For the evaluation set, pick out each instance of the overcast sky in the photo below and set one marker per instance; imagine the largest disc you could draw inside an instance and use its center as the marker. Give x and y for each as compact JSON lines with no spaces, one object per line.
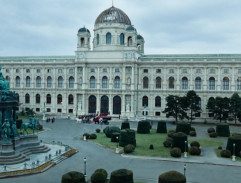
{"x":49,"y":27}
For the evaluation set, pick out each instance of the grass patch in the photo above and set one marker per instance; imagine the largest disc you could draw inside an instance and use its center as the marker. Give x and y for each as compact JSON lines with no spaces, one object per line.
{"x":143,"y":142}
{"x":29,"y":130}
{"x":218,"y":151}
{"x":208,"y":143}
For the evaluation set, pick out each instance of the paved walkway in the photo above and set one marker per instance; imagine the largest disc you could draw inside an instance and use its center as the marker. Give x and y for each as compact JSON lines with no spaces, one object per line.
{"x":144,"y":169}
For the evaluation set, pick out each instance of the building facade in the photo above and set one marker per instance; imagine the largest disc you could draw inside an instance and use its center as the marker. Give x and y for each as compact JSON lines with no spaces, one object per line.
{"x":116,"y":77}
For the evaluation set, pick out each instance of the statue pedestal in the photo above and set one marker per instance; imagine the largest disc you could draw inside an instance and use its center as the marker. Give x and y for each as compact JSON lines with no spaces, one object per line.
{"x":6,"y":149}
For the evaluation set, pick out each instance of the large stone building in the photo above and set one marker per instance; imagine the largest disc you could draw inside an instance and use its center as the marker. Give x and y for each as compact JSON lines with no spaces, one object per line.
{"x":116,"y":76}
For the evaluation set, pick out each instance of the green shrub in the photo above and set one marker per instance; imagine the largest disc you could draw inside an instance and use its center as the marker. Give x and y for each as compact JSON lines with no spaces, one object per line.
{"x":193,"y":133}
{"x":210,"y":130}
{"x":172,"y":177}
{"x":111,"y":129}
{"x":220,"y":147}
{"x":222,"y":130}
{"x":143,"y":127}
{"x":93,"y":136}
{"x":179,"y":141}
{"x":97,"y":178}
{"x":176,"y":152}
{"x":121,"y":176}
{"x":103,"y":171}
{"x":87,"y":135}
{"x":213,"y":134}
{"x":115,"y":137}
{"x":225,"y":153}
{"x":195,"y":143}
{"x":129,"y":148}
{"x":170,"y":133}
{"x":125,"y":125}
{"x":195,"y":151}
{"x":97,"y":130}
{"x":19,"y":123}
{"x":167,"y":143}
{"x":127,"y":137}
{"x":151,"y":147}
{"x":192,"y":129}
{"x":183,"y":127}
{"x":234,"y":140}
{"x":161,"y":127}
{"x":73,"y":177}
{"x":236,"y":134}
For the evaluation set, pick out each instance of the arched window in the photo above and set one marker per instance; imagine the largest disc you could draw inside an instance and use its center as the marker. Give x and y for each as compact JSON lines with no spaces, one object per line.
{"x":225,"y":83}
{"x":27,"y":81}
{"x":60,"y":82}
{"x":130,"y":41}
{"x":59,"y":99}
{"x":198,"y":83}
{"x":145,"y":82}
{"x":158,"y":101}
{"x":171,"y":82}
{"x":122,"y":39}
{"x":212,"y":83}
{"x":239,"y":83}
{"x":145,"y":101}
{"x":82,"y":42}
{"x":48,"y":99}
{"x":98,"y":39}
{"x":37,"y":99}
{"x":184,"y":83}
{"x":38,"y":82}
{"x":71,"y":82}
{"x":92,"y":82}
{"x":8,"y":79}
{"x":158,"y":82}
{"x":117,"y":82}
{"x":49,"y":82}
{"x":108,"y":38}
{"x":17,"y":81}
{"x":104,"y":82}
{"x":27,"y":99}
{"x":71,"y":99}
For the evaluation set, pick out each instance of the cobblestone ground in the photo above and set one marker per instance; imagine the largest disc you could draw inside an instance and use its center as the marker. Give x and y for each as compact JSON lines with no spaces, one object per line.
{"x":145,"y":170}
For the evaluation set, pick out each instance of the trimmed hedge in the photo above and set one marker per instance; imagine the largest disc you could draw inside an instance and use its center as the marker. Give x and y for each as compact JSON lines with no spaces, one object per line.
{"x":127,"y":137}
{"x":151,"y":147}
{"x":98,"y":177}
{"x":93,"y":136}
{"x":179,"y":141}
{"x":176,"y":152}
{"x":234,"y":140}
{"x":222,"y":130}
{"x":195,"y":143}
{"x":183,"y":127}
{"x":111,"y":129}
{"x":73,"y":177}
{"x":114,"y":137}
{"x":161,"y":127}
{"x":125,"y":125}
{"x":225,"y":153}
{"x":129,"y":148}
{"x":143,"y":127}
{"x":97,"y":130}
{"x":103,"y":171}
{"x":170,"y":133}
{"x":210,"y":130}
{"x":193,"y":133}
{"x":172,"y":177}
{"x":121,"y":176}
{"x":213,"y":134}
{"x":194,"y":150}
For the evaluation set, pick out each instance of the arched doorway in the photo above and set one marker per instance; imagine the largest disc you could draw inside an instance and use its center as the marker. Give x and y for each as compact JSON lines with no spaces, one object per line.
{"x":104,"y":109}
{"x":116,"y":105}
{"x":92,"y":104}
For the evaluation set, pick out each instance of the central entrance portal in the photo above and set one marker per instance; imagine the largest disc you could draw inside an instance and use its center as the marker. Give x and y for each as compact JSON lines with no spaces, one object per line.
{"x":104,"y":109}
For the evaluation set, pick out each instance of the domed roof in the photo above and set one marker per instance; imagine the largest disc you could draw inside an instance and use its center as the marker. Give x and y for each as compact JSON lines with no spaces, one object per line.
{"x":83,"y":30}
{"x":113,"y":15}
{"x":139,"y":36}
{"x":130,"y":28}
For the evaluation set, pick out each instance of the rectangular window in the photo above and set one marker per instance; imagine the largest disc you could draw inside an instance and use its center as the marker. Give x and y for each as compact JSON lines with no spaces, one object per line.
{"x":171,"y":71}
{"x":158,"y":71}
{"x":117,"y":70}
{"x":60,"y":71}
{"x":158,"y":114}
{"x":92,"y":70}
{"x":71,"y":70}
{"x":104,"y":70}
{"x":145,"y":71}
{"x":128,"y":70}
{"x":212,"y":71}
{"x":49,"y":70}
{"x":198,"y":71}
{"x":48,"y":110}
{"x":37,"y":109}
{"x":184,"y":71}
{"x":80,"y":70}
{"x":59,"y":110}
{"x":225,"y":71}
{"x":38,"y":70}
{"x":71,"y":111}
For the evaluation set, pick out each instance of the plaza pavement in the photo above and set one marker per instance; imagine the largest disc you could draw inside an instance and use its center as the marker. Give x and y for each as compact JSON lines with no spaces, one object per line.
{"x":145,"y":169}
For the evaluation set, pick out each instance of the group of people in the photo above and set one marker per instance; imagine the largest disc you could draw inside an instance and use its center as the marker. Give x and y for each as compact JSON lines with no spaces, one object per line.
{"x":94,"y":118}
{"x":50,"y":120}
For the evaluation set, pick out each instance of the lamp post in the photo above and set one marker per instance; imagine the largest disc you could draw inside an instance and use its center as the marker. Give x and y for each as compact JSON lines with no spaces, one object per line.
{"x":44,"y":117}
{"x":85,"y":160}
{"x":184,"y":169}
{"x":84,"y":135}
{"x":117,"y":145}
{"x":233,"y":157}
{"x":185,"y":153}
